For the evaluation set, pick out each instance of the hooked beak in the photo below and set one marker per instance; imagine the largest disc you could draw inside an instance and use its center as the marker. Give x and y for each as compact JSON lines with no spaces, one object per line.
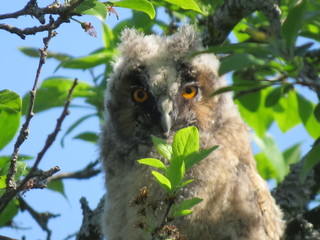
{"x":165,"y":107}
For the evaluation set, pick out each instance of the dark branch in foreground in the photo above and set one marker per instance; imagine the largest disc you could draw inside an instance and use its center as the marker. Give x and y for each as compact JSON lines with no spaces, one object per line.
{"x":24,"y":132}
{"x":88,"y":172}
{"x":231,"y":12}
{"x":11,"y":193}
{"x":41,"y":218}
{"x":63,"y":10}
{"x":90,"y":228}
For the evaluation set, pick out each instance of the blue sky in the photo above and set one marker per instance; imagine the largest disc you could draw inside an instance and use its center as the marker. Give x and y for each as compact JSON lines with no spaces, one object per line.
{"x":18,"y":73}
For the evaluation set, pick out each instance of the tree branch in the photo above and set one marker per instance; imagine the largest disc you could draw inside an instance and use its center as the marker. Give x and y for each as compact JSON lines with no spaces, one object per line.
{"x":90,"y":228}
{"x":231,"y":12}
{"x":64,"y":11}
{"x":88,"y":172}
{"x":41,"y":218}
{"x":11,"y":193}
{"x":24,"y":132}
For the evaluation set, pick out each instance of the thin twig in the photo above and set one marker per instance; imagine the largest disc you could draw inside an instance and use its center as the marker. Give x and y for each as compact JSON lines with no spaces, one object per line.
{"x":85,"y":173}
{"x":41,"y":218}
{"x":24,"y":132}
{"x":32,"y":9}
{"x":11,"y":193}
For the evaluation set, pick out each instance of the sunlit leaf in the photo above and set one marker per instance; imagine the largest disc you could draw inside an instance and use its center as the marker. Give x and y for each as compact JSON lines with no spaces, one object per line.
{"x":10,"y":101}
{"x":162,"y":180}
{"x":3,"y":183}
{"x":292,"y":154}
{"x":196,"y":157}
{"x":139,"y":5}
{"x":270,"y":149}
{"x":285,"y":112}
{"x":153,"y":162}
{"x":9,"y":125}
{"x":184,"y":208}
{"x":94,"y":8}
{"x":164,"y":148}
{"x":186,"y":4}
{"x":185,"y":142}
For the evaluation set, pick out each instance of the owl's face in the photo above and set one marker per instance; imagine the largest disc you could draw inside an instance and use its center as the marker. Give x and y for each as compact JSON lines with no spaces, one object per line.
{"x":156,"y":89}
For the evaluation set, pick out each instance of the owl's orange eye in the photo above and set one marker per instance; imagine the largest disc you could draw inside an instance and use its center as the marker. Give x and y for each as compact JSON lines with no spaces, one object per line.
{"x":139,"y":95}
{"x":190,"y":92}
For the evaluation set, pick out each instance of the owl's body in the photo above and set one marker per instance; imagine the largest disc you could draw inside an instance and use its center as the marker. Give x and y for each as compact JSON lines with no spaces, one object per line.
{"x":156,"y":90}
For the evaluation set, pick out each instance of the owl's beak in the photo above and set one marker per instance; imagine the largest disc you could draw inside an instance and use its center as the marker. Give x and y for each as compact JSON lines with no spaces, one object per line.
{"x":165,"y":107}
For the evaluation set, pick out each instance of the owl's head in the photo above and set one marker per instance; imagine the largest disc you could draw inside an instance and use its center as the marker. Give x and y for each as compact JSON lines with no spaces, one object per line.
{"x":157,"y":89}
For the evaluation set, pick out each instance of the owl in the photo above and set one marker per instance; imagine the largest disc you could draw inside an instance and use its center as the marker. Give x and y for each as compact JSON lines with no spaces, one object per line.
{"x":157,"y":89}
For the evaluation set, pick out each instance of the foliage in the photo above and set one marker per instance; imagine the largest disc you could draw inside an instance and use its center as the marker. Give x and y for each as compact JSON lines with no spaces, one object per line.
{"x":267,"y":75}
{"x":181,"y":155}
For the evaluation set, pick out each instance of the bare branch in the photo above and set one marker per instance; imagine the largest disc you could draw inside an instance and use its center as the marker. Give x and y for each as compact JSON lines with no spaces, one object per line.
{"x":90,"y":228}
{"x":41,"y":218}
{"x":24,"y":132}
{"x":32,"y":9}
{"x":11,"y":193}
{"x":88,"y":172}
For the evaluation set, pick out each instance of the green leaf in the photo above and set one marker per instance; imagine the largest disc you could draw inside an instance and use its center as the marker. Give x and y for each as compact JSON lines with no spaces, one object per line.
{"x":9,"y":125}
{"x":186,"y":4}
{"x":239,"y":61}
{"x":293,"y":23}
{"x":10,"y":101}
{"x":74,"y":125}
{"x":108,"y":37}
{"x":265,"y":167}
{"x":316,"y":112}
{"x":88,"y":136}
{"x":251,"y":101}
{"x":273,"y":97}
{"x":34,"y":52}
{"x":93,"y":7}
{"x":175,"y":172}
{"x":292,"y":154}
{"x":57,"y":186}
{"x":163,"y":148}
{"x":196,"y":157}
{"x":139,"y":5}
{"x":261,"y":119}
{"x":162,"y":180}
{"x":9,"y":212}
{"x":21,"y":169}
{"x":312,"y":158}
{"x":31,"y":52}
{"x":53,"y":92}
{"x":3,"y":183}
{"x":102,"y":56}
{"x":185,"y":142}
{"x":306,"y":109}
{"x":184,"y":207}
{"x":286,"y":113}
{"x":186,"y":183}
{"x":269,"y":147}
{"x":153,"y":163}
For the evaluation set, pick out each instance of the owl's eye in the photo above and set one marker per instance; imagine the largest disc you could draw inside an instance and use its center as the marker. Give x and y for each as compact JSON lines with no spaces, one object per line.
{"x":190,"y":92}
{"x":139,"y":95}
